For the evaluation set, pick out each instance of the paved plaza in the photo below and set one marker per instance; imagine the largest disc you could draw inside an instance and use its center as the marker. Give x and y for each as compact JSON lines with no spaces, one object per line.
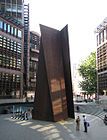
{"x":11,"y":129}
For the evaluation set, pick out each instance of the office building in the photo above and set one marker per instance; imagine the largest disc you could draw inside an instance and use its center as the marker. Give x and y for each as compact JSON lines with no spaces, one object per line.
{"x":13,"y":8}
{"x":19,"y":50}
{"x":101,"y":33}
{"x":26,"y":48}
{"x":11,"y":57}
{"x":15,"y":16}
{"x":33,"y":60}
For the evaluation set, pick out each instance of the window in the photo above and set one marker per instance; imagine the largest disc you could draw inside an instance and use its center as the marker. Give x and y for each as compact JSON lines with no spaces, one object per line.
{"x":17,"y":78}
{"x":4,"y":42}
{"x":97,"y":40}
{"x":15,"y":46}
{"x":11,"y":30}
{"x":5,"y":26}
{"x":8,"y":7}
{"x":2,"y":7}
{"x":1,"y":24}
{"x":19,"y":8}
{"x":18,"y":63}
{"x":8,"y":1}
{"x":101,"y":37}
{"x":19,"y":33}
{"x":15,"y":32}
{"x":19,"y":45}
{"x":104,"y":34}
{"x":8,"y":29}
{"x":13,"y":77}
{"x":14,"y":9}
{"x":8,"y":43}
{"x":14,"y":1}
{"x":12,"y":45}
{"x":7,"y":61}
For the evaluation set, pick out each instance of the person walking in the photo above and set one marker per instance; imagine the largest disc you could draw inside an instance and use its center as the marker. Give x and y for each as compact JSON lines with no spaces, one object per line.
{"x":85,"y":123}
{"x":78,"y":123}
{"x":78,"y":108}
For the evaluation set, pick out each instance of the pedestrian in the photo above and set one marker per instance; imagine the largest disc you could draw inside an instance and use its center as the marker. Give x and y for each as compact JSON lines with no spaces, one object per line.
{"x":78,"y":108}
{"x":29,"y":113}
{"x":31,"y":97}
{"x":27,"y":99}
{"x":105,"y":119}
{"x":85,"y":123}
{"x":78,"y":123}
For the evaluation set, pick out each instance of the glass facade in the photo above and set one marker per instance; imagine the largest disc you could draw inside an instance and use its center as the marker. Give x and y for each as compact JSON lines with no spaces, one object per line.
{"x":102,"y":59}
{"x":9,"y":83}
{"x":12,"y":8}
{"x":11,"y":63}
{"x":102,"y":37}
{"x":26,"y":47}
{"x":102,"y":82}
{"x":34,"y":53}
{"x":10,"y":29}
{"x":14,"y":45}
{"x":10,"y":53}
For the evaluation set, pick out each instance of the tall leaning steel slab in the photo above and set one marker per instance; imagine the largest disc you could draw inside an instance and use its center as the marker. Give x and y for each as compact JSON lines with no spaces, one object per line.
{"x":54,"y":96}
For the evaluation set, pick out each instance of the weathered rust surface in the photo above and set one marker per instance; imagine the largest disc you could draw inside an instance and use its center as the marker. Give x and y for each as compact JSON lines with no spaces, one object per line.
{"x":54,"y":97}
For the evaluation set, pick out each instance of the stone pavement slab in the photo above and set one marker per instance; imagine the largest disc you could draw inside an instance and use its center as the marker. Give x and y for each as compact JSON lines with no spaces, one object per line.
{"x":11,"y":129}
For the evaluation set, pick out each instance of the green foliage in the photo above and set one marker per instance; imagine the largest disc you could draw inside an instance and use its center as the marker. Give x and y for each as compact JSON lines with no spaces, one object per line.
{"x":87,"y":70}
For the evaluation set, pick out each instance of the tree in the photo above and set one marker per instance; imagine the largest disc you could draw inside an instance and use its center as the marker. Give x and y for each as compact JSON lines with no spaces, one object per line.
{"x":87,"y":70}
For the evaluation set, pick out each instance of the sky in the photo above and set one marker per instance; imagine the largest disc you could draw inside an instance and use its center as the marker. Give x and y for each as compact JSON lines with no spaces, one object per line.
{"x":82,"y":17}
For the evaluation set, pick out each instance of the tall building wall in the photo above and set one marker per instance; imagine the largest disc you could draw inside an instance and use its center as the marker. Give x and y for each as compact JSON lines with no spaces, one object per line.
{"x":101,"y":34}
{"x":34,"y":54}
{"x":13,"y":8}
{"x":12,"y":38}
{"x":11,"y":58}
{"x":17,"y":13}
{"x":26,"y":47}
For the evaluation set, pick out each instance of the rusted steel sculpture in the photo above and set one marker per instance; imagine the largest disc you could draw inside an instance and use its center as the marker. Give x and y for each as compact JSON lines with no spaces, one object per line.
{"x":54,"y":96}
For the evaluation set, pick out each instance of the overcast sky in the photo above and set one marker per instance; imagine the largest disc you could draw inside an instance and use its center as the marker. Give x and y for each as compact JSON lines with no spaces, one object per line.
{"x":82,"y":17}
